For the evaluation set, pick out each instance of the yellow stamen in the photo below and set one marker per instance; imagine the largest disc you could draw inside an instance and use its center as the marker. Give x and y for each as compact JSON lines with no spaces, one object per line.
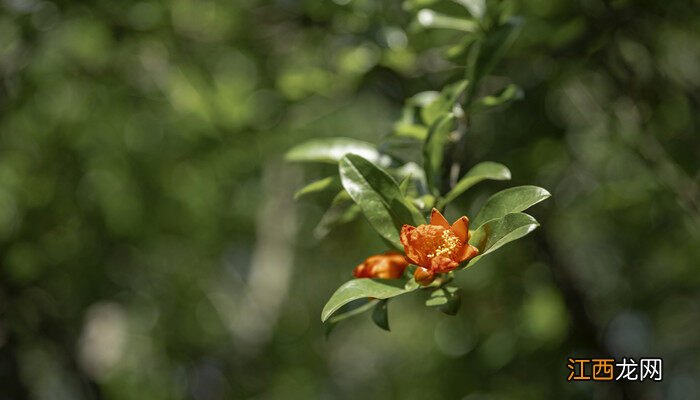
{"x":449,"y":243}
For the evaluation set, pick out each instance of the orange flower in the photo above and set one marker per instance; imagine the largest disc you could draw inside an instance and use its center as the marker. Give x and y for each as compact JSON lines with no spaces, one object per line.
{"x":437,"y":247}
{"x":389,"y":265}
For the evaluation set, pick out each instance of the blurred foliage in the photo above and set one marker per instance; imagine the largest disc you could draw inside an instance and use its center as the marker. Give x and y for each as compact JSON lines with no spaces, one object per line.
{"x":151,"y":247}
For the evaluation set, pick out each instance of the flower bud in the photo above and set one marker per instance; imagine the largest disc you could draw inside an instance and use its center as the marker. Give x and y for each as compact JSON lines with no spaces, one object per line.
{"x":424,"y":276}
{"x":389,"y":265}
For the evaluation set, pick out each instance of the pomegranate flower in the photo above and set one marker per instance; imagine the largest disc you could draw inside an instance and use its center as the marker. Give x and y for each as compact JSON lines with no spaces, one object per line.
{"x":389,"y":265}
{"x":437,"y":247}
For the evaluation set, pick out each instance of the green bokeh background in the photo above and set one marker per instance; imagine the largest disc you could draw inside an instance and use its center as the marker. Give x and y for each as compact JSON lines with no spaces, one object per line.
{"x":150,"y":247}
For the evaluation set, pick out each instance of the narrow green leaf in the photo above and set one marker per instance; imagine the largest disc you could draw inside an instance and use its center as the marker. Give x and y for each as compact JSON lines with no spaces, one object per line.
{"x":422,"y":99}
{"x":498,"y":232}
{"x":407,"y":150}
{"x":415,"y":172}
{"x":485,"y":53}
{"x":379,"y":197}
{"x":380,"y":315}
{"x":342,"y":210}
{"x":321,"y":185}
{"x":331,"y":150}
{"x":444,"y":103}
{"x":411,"y":130}
{"x":430,"y":19}
{"x":405,"y":184}
{"x":512,"y":200}
{"x":476,"y":8}
{"x":510,"y":93}
{"x":433,"y":151}
{"x":408,"y":125}
{"x":363,"y":288}
{"x":459,"y":51}
{"x":478,"y":173}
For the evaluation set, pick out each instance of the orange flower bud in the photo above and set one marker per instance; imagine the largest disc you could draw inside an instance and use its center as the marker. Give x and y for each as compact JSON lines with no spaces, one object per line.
{"x":437,"y":247}
{"x":389,"y":265}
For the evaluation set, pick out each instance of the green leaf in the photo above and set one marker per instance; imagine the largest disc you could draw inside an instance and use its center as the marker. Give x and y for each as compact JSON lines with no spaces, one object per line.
{"x":331,"y":150}
{"x":411,"y":130}
{"x":478,"y":173}
{"x":379,"y":197}
{"x":511,"y":93}
{"x":350,"y":309}
{"x":448,"y":299}
{"x":380,"y":315}
{"x":406,"y":150}
{"x":363,"y":288}
{"x":321,"y":185}
{"x":444,"y":103}
{"x":405,"y":184}
{"x":476,"y":8}
{"x":342,"y":210}
{"x":441,"y":296}
{"x":430,"y":19}
{"x":433,"y":151}
{"x":408,"y":125}
{"x":422,"y":99}
{"x":411,"y":283}
{"x":484,"y":54}
{"x":498,"y":232}
{"x":458,"y":52}
{"x":512,"y":200}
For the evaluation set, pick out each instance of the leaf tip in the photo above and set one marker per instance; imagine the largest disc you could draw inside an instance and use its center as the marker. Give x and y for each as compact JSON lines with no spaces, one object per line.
{"x":545,"y":193}
{"x":289,"y":155}
{"x":326,"y":313}
{"x":506,"y":174}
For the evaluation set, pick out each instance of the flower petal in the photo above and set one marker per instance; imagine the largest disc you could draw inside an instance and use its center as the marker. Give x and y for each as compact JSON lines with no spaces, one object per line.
{"x":412,"y":254}
{"x":461,"y":229}
{"x":436,"y":218}
{"x":443,"y":264}
{"x":468,"y":252}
